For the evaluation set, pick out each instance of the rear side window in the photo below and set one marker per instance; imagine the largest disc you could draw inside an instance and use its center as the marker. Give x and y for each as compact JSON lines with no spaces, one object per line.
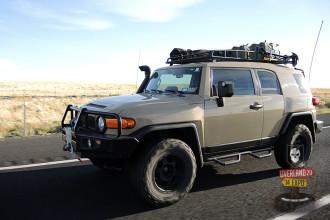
{"x":269,"y":83}
{"x":302,"y":83}
{"x":242,"y":79}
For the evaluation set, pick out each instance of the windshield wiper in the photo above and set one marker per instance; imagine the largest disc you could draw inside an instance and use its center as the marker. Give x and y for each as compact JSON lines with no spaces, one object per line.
{"x":175,"y":91}
{"x":157,"y":91}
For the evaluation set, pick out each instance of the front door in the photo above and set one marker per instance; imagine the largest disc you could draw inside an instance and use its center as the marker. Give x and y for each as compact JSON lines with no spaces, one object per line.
{"x":238,"y":124}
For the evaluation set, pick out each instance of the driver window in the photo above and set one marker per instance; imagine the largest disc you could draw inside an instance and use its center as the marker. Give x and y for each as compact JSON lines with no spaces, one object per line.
{"x":242,"y":79}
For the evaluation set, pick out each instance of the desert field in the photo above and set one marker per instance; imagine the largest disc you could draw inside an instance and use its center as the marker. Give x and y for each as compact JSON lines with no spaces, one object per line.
{"x":46,"y":103}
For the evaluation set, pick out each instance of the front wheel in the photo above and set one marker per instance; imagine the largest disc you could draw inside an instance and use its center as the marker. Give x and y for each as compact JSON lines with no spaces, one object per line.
{"x":165,"y":172}
{"x":294,"y":148}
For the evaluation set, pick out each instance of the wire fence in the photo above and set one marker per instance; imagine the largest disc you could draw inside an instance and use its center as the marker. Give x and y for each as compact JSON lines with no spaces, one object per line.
{"x":37,"y":108}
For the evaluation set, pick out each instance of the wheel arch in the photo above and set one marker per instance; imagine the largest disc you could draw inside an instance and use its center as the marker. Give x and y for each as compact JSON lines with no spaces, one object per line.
{"x":187,"y":132}
{"x":305,"y":118}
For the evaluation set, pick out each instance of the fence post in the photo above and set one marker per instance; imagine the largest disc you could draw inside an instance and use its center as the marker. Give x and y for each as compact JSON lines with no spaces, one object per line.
{"x":25,"y":104}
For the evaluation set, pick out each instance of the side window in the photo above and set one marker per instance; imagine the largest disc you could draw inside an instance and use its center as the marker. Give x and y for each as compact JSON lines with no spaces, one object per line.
{"x":269,"y":83}
{"x":302,"y":84}
{"x":242,"y":79}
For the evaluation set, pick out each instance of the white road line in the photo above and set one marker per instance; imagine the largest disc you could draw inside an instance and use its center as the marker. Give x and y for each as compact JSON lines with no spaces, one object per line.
{"x":41,"y":164}
{"x":305,"y":210}
{"x":327,"y":127}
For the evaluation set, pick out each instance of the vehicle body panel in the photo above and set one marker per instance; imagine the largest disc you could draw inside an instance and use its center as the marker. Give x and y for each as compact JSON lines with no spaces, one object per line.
{"x":231,"y":126}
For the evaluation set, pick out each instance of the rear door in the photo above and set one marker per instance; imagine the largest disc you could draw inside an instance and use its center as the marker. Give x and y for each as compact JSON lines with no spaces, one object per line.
{"x":273,"y":105}
{"x":237,"y":124}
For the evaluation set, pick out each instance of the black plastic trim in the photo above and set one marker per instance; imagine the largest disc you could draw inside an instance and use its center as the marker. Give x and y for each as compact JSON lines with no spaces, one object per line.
{"x":143,"y":85}
{"x":289,"y":118}
{"x":212,"y":150}
{"x":146,"y":130}
{"x":110,"y":147}
{"x":240,"y":146}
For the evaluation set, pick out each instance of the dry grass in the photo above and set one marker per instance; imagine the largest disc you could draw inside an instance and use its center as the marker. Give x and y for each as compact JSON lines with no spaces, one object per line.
{"x":46,"y":103}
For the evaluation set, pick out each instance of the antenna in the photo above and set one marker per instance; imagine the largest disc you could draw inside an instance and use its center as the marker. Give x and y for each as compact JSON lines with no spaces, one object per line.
{"x":310,"y":69}
{"x":137,"y":71}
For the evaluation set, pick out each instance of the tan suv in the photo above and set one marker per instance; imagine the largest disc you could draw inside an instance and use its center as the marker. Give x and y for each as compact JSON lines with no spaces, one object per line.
{"x":204,"y":107}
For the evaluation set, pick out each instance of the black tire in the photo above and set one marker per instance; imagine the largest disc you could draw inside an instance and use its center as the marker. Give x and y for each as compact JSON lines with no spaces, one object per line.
{"x":284,"y":203}
{"x":104,"y":165}
{"x":294,"y":148}
{"x":164,"y":172}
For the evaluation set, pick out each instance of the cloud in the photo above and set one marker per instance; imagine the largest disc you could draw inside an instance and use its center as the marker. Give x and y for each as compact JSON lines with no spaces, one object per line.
{"x":74,"y":19}
{"x":72,"y":15}
{"x":83,"y":24}
{"x":148,"y":10}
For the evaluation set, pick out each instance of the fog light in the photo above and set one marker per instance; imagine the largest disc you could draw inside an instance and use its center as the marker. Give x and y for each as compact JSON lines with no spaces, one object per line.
{"x":98,"y":142}
{"x":89,"y":143}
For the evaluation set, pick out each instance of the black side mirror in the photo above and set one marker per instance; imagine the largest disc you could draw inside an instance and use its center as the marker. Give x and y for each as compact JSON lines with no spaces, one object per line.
{"x":225,"y":89}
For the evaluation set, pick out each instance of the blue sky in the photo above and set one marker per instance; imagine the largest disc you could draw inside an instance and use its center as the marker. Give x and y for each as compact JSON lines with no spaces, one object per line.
{"x":89,"y":40}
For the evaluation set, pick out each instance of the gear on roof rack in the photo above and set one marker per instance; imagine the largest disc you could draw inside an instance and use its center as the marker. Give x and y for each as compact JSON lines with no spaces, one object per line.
{"x":263,"y":52}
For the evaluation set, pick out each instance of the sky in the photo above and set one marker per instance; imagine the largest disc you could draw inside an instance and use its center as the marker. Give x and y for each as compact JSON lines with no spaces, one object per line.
{"x":106,"y":40}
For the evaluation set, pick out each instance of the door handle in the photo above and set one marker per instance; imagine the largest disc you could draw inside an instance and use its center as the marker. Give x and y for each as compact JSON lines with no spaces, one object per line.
{"x":256,"y":106}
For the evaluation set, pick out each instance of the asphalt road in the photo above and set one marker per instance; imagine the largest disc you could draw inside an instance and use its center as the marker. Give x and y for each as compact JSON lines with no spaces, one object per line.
{"x":81,"y":191}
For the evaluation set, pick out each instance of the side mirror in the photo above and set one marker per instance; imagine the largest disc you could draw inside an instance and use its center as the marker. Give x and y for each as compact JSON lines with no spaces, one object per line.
{"x":225,"y":89}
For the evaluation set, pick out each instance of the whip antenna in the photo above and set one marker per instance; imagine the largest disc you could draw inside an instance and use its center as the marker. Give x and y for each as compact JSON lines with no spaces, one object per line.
{"x":310,"y":69}
{"x":137,"y":71}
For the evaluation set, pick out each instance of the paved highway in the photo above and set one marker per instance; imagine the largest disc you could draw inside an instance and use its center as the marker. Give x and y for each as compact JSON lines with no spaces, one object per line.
{"x":81,"y":191}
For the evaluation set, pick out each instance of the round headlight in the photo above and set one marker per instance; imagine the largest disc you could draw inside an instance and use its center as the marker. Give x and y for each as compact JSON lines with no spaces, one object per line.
{"x":101,"y":124}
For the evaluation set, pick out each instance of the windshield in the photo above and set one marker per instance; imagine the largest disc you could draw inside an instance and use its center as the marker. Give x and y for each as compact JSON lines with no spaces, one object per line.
{"x":180,"y":80}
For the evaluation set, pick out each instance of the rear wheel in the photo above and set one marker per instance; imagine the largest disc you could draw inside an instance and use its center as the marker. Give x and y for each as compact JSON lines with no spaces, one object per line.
{"x":294,"y":148}
{"x":165,"y":172}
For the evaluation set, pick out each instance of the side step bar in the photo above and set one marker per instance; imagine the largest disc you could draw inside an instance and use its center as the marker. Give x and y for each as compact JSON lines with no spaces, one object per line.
{"x":239,"y":155}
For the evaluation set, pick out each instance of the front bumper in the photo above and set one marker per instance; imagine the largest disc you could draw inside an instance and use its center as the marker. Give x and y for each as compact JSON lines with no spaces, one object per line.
{"x":87,"y":143}
{"x":318,"y":126}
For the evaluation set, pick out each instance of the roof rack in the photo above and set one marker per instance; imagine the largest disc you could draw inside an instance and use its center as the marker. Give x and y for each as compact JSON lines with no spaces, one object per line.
{"x":188,"y":56}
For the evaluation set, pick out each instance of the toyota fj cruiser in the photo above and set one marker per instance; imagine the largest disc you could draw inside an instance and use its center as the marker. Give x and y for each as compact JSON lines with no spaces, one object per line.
{"x":208,"y":105}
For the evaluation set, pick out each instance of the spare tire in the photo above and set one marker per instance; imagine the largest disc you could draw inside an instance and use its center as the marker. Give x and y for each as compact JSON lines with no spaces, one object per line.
{"x":284,"y":202}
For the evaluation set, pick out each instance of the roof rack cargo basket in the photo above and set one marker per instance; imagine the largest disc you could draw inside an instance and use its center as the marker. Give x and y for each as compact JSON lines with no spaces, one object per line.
{"x":181,"y":56}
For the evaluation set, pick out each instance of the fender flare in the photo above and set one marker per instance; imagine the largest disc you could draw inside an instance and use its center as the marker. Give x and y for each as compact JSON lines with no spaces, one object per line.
{"x":291,"y":116}
{"x":146,"y":130}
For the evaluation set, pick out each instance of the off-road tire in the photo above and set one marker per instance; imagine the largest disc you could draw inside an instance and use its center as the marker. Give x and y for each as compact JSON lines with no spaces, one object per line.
{"x":164,"y":172}
{"x":298,"y":133}
{"x":104,"y":166}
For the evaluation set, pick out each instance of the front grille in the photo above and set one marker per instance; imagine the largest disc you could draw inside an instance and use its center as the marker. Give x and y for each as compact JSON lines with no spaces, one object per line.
{"x":91,"y":121}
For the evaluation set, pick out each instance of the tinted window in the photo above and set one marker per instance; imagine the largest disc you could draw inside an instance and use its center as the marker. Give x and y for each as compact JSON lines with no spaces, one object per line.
{"x":302,"y":84}
{"x":242,"y":79}
{"x":269,"y":83}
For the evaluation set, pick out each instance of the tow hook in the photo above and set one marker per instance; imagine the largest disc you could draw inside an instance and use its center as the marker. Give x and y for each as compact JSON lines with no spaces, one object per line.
{"x":66,"y":147}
